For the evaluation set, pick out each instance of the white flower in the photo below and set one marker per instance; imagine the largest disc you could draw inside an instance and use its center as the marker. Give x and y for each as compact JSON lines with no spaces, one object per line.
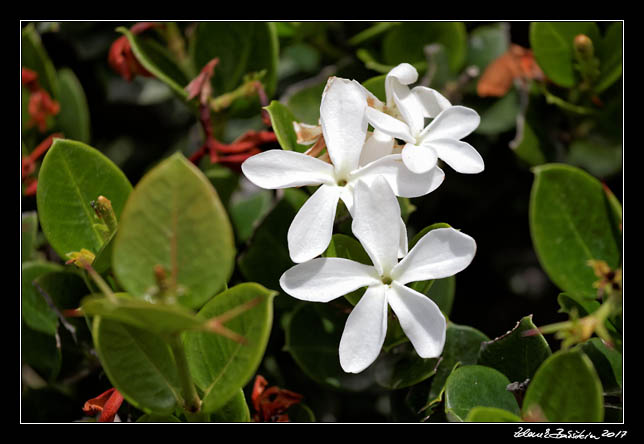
{"x":425,"y":144}
{"x":440,"y":253}
{"x":344,"y":126}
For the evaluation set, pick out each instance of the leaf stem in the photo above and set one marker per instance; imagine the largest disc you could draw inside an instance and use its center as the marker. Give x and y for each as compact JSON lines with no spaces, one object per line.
{"x":192,"y":403}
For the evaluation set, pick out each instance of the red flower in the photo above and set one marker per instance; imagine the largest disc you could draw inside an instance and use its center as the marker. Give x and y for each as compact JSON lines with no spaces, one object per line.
{"x":41,"y":105}
{"x":107,"y":404}
{"x":272,"y":403}
{"x":122,"y":59}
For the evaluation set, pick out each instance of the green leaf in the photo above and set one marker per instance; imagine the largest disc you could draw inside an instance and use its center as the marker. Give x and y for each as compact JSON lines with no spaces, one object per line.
{"x":267,"y":255}
{"x":282,"y":120}
{"x":376,"y":85}
{"x":500,"y":115}
{"x":571,"y":222}
{"x":247,"y":212}
{"x":235,"y":410}
{"x":41,"y":351}
{"x":220,"y":366}
{"x":305,"y":103}
{"x":73,"y":118}
{"x":71,"y":176}
{"x":607,"y":362}
{"x":529,"y":149}
{"x":402,"y":367}
{"x":566,"y":388}
{"x":139,"y":364}
{"x":157,"y":61}
{"x":598,"y":156}
{"x":155,"y":417}
{"x":35,"y":57}
{"x":155,"y":318}
{"x":28,"y":233}
{"x":491,"y":414}
{"x":552,"y":44}
{"x":470,"y":386}
{"x":174,"y":219}
{"x":312,"y":337}
{"x":36,"y":313}
{"x":610,"y":55}
{"x":515,"y":355}
{"x":405,"y":43}
{"x":242,"y":48}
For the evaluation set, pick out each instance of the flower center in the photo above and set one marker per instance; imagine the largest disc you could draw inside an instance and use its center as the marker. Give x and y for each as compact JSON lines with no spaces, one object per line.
{"x":342,"y":182}
{"x":386,"y":280}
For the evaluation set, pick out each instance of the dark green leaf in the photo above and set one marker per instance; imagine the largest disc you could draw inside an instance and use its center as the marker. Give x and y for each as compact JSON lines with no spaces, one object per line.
{"x":41,"y":352}
{"x":305,"y":104}
{"x":610,"y":55}
{"x":607,"y":362}
{"x":35,"y":57}
{"x":529,"y":149}
{"x":565,"y":388}
{"x":155,"y":417}
{"x":572,"y":222}
{"x":552,"y":44}
{"x":219,"y":365}
{"x":235,"y":410}
{"x":73,"y":118}
{"x":28,"y":233}
{"x":515,"y":355}
{"x":139,"y":364}
{"x":491,"y":414}
{"x":71,"y":176}
{"x":402,"y":367}
{"x":471,"y":386}
{"x":246,"y":212}
{"x":282,"y":121}
{"x":36,"y":312}
{"x":487,"y":43}
{"x":174,"y":219}
{"x":500,"y":115}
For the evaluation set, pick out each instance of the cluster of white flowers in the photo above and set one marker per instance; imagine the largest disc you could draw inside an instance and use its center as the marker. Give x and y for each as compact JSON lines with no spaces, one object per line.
{"x":367,"y":170}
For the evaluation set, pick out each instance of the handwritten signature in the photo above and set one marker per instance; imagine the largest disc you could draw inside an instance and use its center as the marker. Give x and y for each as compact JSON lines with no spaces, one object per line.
{"x":567,"y":434}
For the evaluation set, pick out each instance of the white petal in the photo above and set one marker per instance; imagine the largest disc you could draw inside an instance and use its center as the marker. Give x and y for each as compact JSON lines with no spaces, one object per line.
{"x":344,"y":125}
{"x":376,"y":223}
{"x":365,"y":331}
{"x":420,"y":319}
{"x":324,"y":279}
{"x":403,"y":246}
{"x":378,"y":145}
{"x":389,"y":125}
{"x":310,"y":232}
{"x":419,"y":158}
{"x":461,"y":156}
{"x":371,"y":98}
{"x":285,"y":169}
{"x":402,"y":181}
{"x":409,"y":107}
{"x":432,"y":101}
{"x":404,"y":74}
{"x":455,"y":122}
{"x":440,"y":253}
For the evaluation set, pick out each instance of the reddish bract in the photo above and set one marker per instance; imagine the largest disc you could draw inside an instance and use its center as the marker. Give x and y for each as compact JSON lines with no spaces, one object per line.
{"x":272,"y":403}
{"x":122,"y":59}
{"x":516,"y":63}
{"x":107,"y":404}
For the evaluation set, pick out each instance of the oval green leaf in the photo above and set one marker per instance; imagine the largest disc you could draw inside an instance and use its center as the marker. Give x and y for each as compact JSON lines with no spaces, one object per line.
{"x":139,"y":364}
{"x":476,"y":385}
{"x":235,"y":410}
{"x":491,"y":414}
{"x":174,"y":219}
{"x":71,"y":176}
{"x":36,"y":312}
{"x":282,"y":120}
{"x":566,"y":388}
{"x":219,"y":365}
{"x":552,"y":44}
{"x":73,"y":118}
{"x":515,"y":355}
{"x":571,"y":222}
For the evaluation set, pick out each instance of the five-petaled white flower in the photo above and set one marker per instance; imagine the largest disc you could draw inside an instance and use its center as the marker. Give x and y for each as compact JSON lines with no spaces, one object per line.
{"x":425,"y":144}
{"x":440,"y":253}
{"x":344,"y":127}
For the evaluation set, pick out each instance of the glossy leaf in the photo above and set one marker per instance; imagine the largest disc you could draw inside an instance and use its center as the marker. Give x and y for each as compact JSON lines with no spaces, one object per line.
{"x":402,"y":367}
{"x":515,"y":355}
{"x":566,"y":388}
{"x":610,"y":53}
{"x":491,"y":414}
{"x":155,"y":318}
{"x":247,"y":212}
{"x":312,"y":337}
{"x":157,"y":61}
{"x":607,"y":362}
{"x":35,"y":57}
{"x":462,"y":345}
{"x":36,"y":312}
{"x":139,"y":364}
{"x":305,"y":103}
{"x":219,"y":365}
{"x":471,"y":386}
{"x":155,"y":417}
{"x":406,"y":42}
{"x":73,"y":175}
{"x":282,"y":121}
{"x":552,"y":44}
{"x":235,"y":410}
{"x":28,"y":235}
{"x":572,"y":222}
{"x":242,"y":48}
{"x":174,"y":219}
{"x":529,"y":149}
{"x":500,"y":115}
{"x":487,"y":43}
{"x":40,"y":351}
{"x":73,"y":118}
